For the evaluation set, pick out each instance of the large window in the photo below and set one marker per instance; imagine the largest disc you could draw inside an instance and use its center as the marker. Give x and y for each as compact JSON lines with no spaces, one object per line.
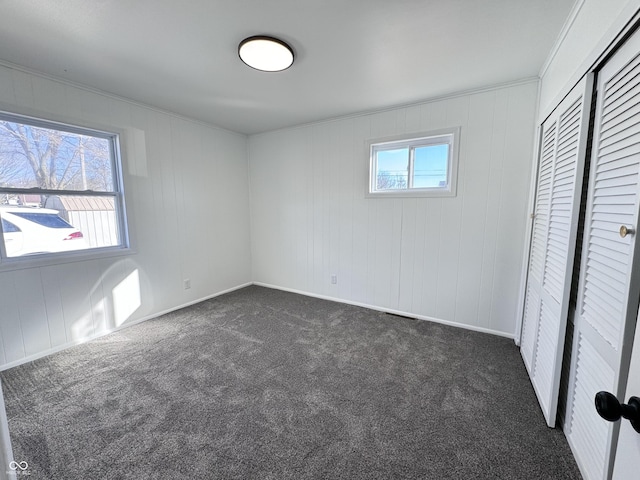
{"x":424,"y":165}
{"x":60,"y":189}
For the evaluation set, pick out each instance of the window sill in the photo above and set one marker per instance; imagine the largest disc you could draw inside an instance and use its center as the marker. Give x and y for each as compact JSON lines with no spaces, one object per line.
{"x":411,"y":194}
{"x":37,"y":261}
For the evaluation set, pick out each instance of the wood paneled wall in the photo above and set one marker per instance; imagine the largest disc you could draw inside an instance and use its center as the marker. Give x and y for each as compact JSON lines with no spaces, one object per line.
{"x":456,"y":260}
{"x":187,"y":196}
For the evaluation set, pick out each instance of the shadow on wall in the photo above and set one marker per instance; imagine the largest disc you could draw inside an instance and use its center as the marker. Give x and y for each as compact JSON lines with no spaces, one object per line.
{"x":115,"y":297}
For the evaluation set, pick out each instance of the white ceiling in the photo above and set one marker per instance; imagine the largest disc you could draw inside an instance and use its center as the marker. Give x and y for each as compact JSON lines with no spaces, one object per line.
{"x":351,"y":55}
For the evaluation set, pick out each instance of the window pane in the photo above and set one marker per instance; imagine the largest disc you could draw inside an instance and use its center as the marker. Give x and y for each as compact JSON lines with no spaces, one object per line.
{"x":430,"y":166}
{"x":392,"y":169}
{"x":49,"y":220}
{"x":65,"y":223}
{"x":9,"y":227}
{"x":53,"y":159}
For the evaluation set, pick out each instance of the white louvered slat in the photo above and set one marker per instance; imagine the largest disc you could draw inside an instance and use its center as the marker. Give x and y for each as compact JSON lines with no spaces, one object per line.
{"x":605,"y":299}
{"x":608,"y":271}
{"x":618,"y":86}
{"x":629,"y":111}
{"x":541,"y":217}
{"x":618,"y":127}
{"x":614,"y":142}
{"x":617,"y":124}
{"x":562,"y":201}
{"x":618,"y":116}
{"x":624,"y":150}
{"x":621,"y":94}
{"x":552,"y":247}
{"x":603,"y":247}
{"x":608,"y":297}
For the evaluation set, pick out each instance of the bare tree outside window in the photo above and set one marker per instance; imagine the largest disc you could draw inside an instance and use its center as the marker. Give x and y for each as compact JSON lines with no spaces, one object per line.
{"x":49,"y":159}
{"x":390,"y":181}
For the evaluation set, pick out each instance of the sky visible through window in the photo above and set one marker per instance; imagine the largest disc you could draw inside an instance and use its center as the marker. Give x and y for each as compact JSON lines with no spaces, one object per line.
{"x":46,"y":158}
{"x":430,"y":165}
{"x":393,"y":164}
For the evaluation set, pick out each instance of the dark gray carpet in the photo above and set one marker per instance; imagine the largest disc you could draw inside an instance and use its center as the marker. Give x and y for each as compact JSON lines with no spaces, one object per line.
{"x":265,"y":384}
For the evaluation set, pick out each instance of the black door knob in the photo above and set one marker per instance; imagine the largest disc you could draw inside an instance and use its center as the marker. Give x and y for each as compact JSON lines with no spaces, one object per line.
{"x":611,"y":409}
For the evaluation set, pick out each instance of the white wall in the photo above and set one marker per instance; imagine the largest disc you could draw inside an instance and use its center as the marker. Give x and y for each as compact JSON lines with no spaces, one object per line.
{"x":187,"y":195}
{"x":453,"y":259}
{"x":593,"y":25}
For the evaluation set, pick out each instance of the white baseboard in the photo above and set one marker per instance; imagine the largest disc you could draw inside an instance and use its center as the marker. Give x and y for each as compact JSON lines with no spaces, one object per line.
{"x":389,"y":310}
{"x":79,"y":341}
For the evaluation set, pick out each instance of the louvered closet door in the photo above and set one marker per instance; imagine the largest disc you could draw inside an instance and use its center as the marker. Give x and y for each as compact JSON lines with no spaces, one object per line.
{"x":555,"y":221}
{"x":609,"y":287}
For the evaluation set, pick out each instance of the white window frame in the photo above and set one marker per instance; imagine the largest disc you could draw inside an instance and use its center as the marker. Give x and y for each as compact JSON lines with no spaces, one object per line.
{"x":117,"y":138}
{"x":450,"y":136}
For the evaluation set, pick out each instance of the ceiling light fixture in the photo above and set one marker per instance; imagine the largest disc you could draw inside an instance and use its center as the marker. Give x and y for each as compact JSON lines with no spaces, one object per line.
{"x":266,"y":54}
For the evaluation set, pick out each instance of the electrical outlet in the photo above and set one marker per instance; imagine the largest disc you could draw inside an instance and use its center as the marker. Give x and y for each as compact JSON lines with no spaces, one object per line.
{"x":334,"y":279}
{"x":187,"y":283}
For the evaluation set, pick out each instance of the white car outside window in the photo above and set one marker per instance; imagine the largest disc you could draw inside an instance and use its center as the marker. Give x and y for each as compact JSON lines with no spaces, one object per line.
{"x":29,"y":231}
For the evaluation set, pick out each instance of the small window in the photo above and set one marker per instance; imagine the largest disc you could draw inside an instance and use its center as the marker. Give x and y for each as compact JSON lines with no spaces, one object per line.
{"x":60,"y":189}
{"x":51,"y":220}
{"x":424,"y":165}
{"x":8,"y":227}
